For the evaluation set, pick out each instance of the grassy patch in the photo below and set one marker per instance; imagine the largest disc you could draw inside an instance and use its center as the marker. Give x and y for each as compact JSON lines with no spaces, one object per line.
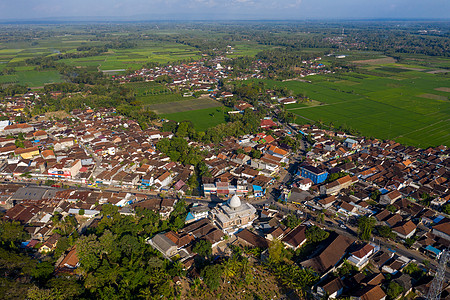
{"x":151,"y":100}
{"x":144,"y":89}
{"x":189,"y":103}
{"x":201,"y":118}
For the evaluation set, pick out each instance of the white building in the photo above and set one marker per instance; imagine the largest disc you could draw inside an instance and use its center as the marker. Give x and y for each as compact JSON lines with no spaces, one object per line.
{"x":233,"y":215}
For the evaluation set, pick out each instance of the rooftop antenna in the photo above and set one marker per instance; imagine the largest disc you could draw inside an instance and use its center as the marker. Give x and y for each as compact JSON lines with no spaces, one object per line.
{"x":434,"y":293}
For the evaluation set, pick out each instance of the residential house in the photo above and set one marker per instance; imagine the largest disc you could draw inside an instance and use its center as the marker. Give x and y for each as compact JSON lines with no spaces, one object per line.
{"x":405,"y":230}
{"x":390,"y":197}
{"x":63,"y":144}
{"x":329,"y":258}
{"x":16,"y":129}
{"x":69,"y":263}
{"x":68,"y":170}
{"x":442,"y":230}
{"x":196,"y":213}
{"x":333,"y":188}
{"x":251,"y":239}
{"x":350,"y":143}
{"x":164,"y":180}
{"x":360,"y":258}
{"x":331,"y":289}
{"x":369,"y":292}
{"x":50,"y":243}
{"x":296,"y":237}
{"x":305,"y":184}
{"x":267,"y":124}
{"x":327,"y":202}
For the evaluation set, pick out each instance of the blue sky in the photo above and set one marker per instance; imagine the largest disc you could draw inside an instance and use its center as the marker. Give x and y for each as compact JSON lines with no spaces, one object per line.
{"x":224,"y":9}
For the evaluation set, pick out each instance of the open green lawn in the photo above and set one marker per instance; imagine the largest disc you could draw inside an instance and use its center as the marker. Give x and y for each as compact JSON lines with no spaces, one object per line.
{"x":201,"y":118}
{"x":31,"y":78}
{"x":390,"y":103}
{"x":246,"y":49}
{"x":162,"y":98}
{"x":144,"y":89}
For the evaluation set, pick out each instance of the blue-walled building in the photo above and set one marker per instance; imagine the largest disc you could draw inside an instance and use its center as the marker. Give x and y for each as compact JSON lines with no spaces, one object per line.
{"x":313,"y":173}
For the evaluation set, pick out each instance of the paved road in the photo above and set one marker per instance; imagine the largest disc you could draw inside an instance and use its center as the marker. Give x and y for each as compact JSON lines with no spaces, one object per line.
{"x":84,"y":188}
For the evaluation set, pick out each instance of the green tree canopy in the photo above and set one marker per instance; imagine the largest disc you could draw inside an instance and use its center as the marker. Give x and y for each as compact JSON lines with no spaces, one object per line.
{"x":365,"y":227}
{"x":394,"y":290}
{"x":211,"y":275}
{"x":316,"y":234}
{"x":203,"y":248}
{"x":12,"y":233}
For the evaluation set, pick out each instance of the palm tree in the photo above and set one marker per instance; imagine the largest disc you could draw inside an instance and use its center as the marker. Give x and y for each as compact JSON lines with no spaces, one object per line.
{"x":146,"y":293}
{"x":245,"y":268}
{"x":196,"y":283}
{"x":229,"y":268}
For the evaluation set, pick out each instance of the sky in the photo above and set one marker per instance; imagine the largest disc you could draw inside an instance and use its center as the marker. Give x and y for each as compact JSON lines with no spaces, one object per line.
{"x":223,"y":9}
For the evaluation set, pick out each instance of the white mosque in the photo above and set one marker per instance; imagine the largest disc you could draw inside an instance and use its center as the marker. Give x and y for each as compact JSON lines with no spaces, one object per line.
{"x":233,"y":215}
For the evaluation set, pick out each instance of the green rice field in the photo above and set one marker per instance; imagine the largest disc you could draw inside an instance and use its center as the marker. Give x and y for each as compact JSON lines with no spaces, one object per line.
{"x":31,"y":78}
{"x":136,"y":58}
{"x":388,"y":102}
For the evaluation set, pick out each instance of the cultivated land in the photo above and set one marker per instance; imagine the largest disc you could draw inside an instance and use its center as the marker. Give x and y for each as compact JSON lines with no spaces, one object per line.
{"x":136,"y":57}
{"x":14,"y":55}
{"x":384,"y":101}
{"x":201,"y":118}
{"x":31,"y":78}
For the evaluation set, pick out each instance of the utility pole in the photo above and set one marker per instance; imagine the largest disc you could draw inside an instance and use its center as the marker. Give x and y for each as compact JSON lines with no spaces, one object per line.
{"x":434,"y":293}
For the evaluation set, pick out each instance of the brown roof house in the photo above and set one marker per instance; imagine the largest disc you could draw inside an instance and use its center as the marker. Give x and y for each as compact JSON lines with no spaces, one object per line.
{"x":370,"y":292}
{"x":328,"y":259}
{"x":390,"y":197}
{"x":295,"y":238}
{"x":332,"y":289}
{"x":336,"y":186}
{"x":405,"y":230}
{"x":327,"y":202}
{"x":360,"y":258}
{"x":253,"y":240}
{"x":69,"y":263}
{"x":442,"y":230}
{"x":393,"y":220}
{"x":50,"y":243}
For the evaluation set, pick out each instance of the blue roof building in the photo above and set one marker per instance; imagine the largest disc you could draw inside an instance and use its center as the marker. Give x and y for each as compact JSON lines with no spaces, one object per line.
{"x":433,"y":250}
{"x":258,"y":191}
{"x":315,"y":174}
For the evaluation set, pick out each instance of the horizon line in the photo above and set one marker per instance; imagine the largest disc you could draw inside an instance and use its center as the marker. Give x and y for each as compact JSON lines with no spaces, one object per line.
{"x":109,"y":19}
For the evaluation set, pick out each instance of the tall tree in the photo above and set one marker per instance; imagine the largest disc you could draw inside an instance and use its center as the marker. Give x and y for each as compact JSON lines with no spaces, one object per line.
{"x":365,"y":227}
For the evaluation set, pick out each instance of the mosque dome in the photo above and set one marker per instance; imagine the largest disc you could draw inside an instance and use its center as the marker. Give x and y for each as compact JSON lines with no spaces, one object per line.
{"x":234,"y":202}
